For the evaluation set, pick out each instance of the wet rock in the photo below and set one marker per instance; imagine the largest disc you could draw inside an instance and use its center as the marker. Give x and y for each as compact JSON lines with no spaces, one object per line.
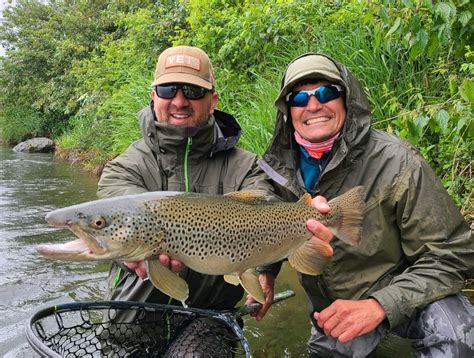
{"x":35,"y":145}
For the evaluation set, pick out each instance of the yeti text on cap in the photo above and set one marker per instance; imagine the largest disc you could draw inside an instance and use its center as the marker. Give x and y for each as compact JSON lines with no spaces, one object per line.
{"x":183,"y":60}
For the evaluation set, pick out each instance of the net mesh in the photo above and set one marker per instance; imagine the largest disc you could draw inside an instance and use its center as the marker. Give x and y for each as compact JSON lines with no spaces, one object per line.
{"x":114,"y":330}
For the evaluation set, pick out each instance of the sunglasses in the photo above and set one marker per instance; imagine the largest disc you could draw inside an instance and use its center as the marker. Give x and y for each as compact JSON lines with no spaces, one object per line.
{"x":323,"y":94}
{"x":189,"y":91}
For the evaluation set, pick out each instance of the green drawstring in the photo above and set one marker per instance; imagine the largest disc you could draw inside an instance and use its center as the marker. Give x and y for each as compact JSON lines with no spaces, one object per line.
{"x":186,"y":156}
{"x":117,"y":278}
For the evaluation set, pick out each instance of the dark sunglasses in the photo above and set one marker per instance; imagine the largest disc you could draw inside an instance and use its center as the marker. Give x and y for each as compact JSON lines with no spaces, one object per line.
{"x":323,"y":94}
{"x":189,"y":91}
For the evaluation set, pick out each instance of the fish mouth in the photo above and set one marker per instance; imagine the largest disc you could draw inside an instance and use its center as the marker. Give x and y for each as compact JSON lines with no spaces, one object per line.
{"x":95,"y":244}
{"x":90,"y":247}
{"x":85,"y":248}
{"x":76,"y":250}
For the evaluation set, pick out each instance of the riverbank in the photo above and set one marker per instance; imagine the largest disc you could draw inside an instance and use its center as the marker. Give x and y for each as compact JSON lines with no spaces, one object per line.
{"x":91,"y":160}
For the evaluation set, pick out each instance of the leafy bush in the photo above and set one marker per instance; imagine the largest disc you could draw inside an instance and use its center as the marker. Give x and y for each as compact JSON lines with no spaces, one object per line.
{"x":20,"y":123}
{"x":114,"y":83}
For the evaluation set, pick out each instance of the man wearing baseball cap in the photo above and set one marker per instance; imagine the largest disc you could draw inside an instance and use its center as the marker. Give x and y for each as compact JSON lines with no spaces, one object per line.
{"x":188,"y":145}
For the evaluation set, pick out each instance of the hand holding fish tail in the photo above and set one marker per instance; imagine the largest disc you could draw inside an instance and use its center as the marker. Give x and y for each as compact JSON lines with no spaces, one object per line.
{"x":319,"y":231}
{"x":320,"y":203}
{"x":267,"y":281}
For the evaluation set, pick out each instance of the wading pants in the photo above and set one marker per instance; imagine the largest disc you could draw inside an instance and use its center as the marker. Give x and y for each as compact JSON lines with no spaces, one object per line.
{"x":444,"y":329}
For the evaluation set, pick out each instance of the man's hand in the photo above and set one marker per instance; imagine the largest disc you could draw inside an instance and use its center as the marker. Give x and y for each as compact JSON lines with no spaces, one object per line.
{"x":267,"y":282}
{"x":347,"y":319}
{"x":321,"y":204}
{"x":140,"y":267}
{"x":319,"y":231}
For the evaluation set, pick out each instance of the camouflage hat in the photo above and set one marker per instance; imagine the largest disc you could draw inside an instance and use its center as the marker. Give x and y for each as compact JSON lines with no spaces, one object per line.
{"x":184,"y":64}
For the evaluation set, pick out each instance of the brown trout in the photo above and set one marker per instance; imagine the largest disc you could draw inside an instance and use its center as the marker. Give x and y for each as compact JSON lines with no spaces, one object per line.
{"x":226,"y":235}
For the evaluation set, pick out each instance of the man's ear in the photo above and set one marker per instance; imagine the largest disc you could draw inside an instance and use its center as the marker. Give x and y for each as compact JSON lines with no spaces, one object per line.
{"x":214,"y":99}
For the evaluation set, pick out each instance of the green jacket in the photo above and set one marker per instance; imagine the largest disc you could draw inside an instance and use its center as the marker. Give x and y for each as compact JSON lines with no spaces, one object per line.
{"x":172,"y":158}
{"x":416,"y":247}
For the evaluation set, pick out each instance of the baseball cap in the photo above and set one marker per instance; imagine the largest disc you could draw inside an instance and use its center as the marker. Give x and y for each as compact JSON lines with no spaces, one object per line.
{"x":184,"y":64}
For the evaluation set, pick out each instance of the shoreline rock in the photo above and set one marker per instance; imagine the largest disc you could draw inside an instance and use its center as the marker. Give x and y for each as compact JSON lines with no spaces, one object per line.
{"x":35,"y":145}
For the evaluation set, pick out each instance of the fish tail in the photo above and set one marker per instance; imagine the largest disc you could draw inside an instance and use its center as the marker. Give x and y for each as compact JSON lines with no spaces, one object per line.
{"x":351,"y":206}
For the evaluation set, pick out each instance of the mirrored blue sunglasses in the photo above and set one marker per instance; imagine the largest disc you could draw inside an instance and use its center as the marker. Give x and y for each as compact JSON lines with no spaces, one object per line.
{"x":323,"y":94}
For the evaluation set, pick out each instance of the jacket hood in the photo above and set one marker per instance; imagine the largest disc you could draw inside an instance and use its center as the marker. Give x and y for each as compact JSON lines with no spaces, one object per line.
{"x":280,"y":161}
{"x":305,"y":67}
{"x":222,"y":132}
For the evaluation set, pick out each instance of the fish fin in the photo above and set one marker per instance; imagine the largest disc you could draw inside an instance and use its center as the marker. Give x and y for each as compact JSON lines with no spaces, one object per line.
{"x":352,"y":207}
{"x":167,"y":281}
{"x":312,"y":257}
{"x":305,"y":199}
{"x":249,"y":196}
{"x":232,"y":279}
{"x":251,"y":284}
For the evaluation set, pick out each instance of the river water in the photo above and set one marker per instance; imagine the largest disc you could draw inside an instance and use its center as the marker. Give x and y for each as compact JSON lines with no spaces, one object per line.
{"x":31,"y":185}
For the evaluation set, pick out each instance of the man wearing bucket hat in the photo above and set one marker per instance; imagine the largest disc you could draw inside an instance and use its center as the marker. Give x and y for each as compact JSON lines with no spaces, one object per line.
{"x":416,"y":250}
{"x":187,"y":145}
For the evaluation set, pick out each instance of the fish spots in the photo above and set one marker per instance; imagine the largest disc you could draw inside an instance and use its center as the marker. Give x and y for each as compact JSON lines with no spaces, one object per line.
{"x":200,"y":226}
{"x":203,"y":227}
{"x":208,"y":233}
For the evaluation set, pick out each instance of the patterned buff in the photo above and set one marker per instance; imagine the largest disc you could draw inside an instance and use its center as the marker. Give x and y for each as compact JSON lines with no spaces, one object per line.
{"x":316,"y":150}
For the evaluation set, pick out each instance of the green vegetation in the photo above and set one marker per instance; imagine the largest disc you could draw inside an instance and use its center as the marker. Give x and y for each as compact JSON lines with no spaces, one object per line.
{"x":78,"y":71}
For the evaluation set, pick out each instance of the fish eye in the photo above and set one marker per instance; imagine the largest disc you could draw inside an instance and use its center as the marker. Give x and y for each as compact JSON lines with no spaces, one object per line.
{"x":98,"y":222}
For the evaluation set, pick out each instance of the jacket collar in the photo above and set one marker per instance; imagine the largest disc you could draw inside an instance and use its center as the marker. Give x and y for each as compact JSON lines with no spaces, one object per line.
{"x":222,"y":132}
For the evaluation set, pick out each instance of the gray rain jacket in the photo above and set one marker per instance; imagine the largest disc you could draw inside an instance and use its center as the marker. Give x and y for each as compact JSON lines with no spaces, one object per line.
{"x":416,"y":247}
{"x":171,"y":158}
